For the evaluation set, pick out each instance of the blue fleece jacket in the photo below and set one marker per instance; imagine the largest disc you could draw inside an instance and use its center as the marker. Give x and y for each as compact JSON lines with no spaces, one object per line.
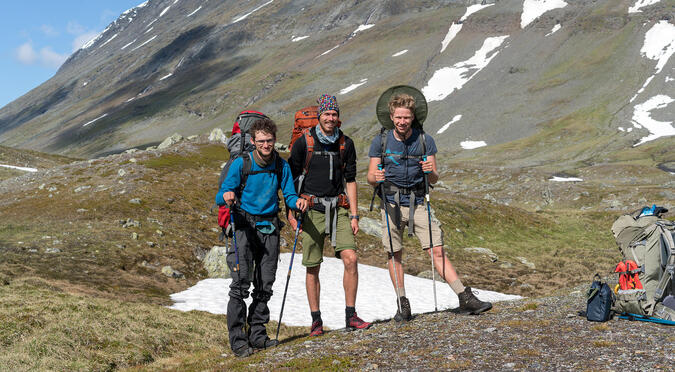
{"x":259,"y":197}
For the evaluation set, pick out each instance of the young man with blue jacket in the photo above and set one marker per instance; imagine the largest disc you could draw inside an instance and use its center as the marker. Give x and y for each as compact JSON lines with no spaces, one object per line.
{"x":251,"y":188}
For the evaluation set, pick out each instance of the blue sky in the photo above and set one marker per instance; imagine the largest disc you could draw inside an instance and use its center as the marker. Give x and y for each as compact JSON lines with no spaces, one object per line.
{"x":38,"y":35}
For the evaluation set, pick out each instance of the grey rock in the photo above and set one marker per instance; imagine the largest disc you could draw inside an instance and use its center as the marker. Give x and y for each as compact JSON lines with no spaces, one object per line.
{"x":135,"y":201}
{"x":150,"y":244}
{"x":371,"y":226}
{"x":484,"y":251}
{"x":217,"y":135}
{"x":121,"y":173}
{"x":428,"y":275}
{"x":505,"y":265}
{"x":131,"y":151}
{"x":215,"y":263}
{"x":280,"y":147}
{"x":192,"y":137}
{"x":171,"y":272}
{"x":52,"y":250}
{"x":525,"y":262}
{"x":170,"y":141}
{"x":130,"y":223}
{"x":82,"y":188}
{"x":134,"y":236}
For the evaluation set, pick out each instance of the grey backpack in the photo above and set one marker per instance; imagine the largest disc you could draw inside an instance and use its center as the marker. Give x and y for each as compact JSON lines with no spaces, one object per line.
{"x":648,"y":240}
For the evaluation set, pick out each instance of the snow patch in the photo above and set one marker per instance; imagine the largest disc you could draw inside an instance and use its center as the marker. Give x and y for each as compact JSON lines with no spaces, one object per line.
{"x":298,"y":38}
{"x":362,"y":28}
{"x":375,"y":299}
{"x":642,"y":118}
{"x":639,"y":4}
{"x":251,"y":12}
{"x":329,"y":50}
{"x":151,"y":23}
{"x":147,"y":41}
{"x":555,"y":28}
{"x":564,"y":179}
{"x":148,"y":30}
{"x":659,"y":43}
{"x":446,"y":80}
{"x":446,"y":126}
{"x":400,"y":53}
{"x":456,"y":27}
{"x":195,"y":11}
{"x":669,"y":79}
{"x":164,"y":11}
{"x":92,"y":121}
{"x":25,"y":169}
{"x":352,"y":87}
{"x":109,"y":40}
{"x":126,"y":45}
{"x":85,"y":83}
{"x":532,"y":9}
{"x":166,"y":76}
{"x":469,"y":145}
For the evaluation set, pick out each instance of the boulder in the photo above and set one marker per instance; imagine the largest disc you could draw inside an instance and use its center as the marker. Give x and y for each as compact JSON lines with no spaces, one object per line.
{"x":171,"y":272}
{"x":484,"y":251}
{"x":215,"y":263}
{"x":170,"y":141}
{"x":370,"y":226}
{"x":217,"y":135}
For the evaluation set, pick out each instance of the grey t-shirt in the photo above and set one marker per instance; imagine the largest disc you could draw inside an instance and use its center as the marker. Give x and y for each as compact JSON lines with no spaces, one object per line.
{"x":401,"y":160}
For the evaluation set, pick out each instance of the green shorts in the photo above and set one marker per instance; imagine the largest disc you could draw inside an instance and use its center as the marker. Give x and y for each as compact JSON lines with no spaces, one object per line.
{"x":314,"y":235}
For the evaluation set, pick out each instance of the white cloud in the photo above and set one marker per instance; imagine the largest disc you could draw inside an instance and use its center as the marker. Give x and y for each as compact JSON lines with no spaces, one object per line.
{"x":48,"y":30}
{"x":46,"y":57}
{"x":75,"y":28}
{"x":26,"y":54}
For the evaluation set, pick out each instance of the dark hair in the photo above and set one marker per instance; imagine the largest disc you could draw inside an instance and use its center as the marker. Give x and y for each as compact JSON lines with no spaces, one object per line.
{"x":263,"y":125}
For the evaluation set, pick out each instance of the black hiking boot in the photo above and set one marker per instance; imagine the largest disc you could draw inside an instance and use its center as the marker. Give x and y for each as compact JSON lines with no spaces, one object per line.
{"x":243,"y":351}
{"x":267,"y":344}
{"x":404,"y":314}
{"x":469,"y":304}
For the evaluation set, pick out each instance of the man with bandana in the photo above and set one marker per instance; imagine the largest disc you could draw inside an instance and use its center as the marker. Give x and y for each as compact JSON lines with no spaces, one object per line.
{"x":323,"y":161}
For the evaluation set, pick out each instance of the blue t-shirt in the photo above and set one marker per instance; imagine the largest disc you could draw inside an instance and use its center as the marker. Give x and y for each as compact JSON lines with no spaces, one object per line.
{"x":401,"y":160}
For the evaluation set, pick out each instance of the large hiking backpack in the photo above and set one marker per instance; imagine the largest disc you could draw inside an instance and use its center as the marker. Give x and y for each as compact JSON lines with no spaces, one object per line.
{"x":305,"y":119}
{"x":646,"y":242}
{"x":238,"y":143}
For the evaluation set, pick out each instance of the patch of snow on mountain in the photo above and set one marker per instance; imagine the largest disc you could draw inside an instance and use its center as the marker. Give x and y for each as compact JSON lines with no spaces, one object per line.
{"x":126,"y":45}
{"x":96,"y":38}
{"x":669,"y":79}
{"x":446,"y":126}
{"x":298,"y":38}
{"x":148,"y":30}
{"x":555,"y":28}
{"x":400,"y":53}
{"x":166,"y":76}
{"x":251,"y":12}
{"x":147,"y":41}
{"x":532,"y":9}
{"x":109,"y":40}
{"x":642,"y":118}
{"x":353,"y":86}
{"x":164,"y":11}
{"x":469,"y":145}
{"x":659,"y":43}
{"x":448,"y":79}
{"x":92,"y":121}
{"x":564,"y":179}
{"x":456,"y":27}
{"x":152,"y":22}
{"x":195,"y":11}
{"x":362,"y":28}
{"x":329,"y":50}
{"x":25,"y":169}
{"x":375,"y":298}
{"x":639,"y":4}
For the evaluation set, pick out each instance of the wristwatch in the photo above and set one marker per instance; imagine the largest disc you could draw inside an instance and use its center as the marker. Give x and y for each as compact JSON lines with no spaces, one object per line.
{"x":354,"y":217}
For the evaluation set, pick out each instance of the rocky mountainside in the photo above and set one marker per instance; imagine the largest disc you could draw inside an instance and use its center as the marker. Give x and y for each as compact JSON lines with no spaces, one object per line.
{"x":538,"y":82}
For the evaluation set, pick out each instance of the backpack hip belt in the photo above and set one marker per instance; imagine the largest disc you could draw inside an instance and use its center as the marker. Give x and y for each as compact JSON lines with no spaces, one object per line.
{"x":397,"y":191}
{"x":253,"y":219}
{"x":330,"y":204}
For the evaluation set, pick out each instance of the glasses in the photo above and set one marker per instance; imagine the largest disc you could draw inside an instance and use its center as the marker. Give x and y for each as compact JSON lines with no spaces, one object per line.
{"x":262,"y":142}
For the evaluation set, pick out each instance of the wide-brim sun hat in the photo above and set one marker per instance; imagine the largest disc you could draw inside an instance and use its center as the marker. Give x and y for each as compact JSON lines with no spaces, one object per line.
{"x":382,"y":108}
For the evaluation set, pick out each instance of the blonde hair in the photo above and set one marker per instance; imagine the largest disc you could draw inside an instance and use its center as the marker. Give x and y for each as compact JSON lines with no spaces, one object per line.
{"x":401,"y":100}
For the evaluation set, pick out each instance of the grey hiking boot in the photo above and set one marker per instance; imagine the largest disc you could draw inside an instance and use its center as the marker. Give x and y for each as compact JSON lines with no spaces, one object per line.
{"x":243,"y":351}
{"x":405,"y":313}
{"x":469,"y":304}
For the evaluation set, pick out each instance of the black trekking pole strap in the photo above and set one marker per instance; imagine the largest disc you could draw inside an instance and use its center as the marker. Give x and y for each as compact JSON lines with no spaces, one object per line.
{"x":288,"y":277}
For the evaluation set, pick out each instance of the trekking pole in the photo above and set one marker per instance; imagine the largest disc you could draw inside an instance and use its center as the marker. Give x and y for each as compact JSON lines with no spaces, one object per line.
{"x":288,"y":277}
{"x":431,"y":242}
{"x":391,"y":246}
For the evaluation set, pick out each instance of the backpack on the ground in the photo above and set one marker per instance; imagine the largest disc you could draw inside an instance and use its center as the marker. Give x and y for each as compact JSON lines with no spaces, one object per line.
{"x":598,"y":301}
{"x":647,"y":272}
{"x":238,"y":143}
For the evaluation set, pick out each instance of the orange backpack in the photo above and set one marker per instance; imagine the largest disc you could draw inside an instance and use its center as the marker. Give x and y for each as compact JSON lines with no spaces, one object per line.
{"x":305,"y":118}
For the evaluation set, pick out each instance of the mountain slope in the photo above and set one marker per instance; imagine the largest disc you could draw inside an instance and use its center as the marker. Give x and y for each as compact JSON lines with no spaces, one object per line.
{"x":187,"y":66}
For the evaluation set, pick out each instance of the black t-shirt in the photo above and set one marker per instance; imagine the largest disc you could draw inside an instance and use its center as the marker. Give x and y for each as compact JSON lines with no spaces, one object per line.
{"x":317,"y":181}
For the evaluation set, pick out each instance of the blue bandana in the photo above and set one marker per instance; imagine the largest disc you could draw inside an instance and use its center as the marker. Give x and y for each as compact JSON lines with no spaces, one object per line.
{"x":327,"y":140}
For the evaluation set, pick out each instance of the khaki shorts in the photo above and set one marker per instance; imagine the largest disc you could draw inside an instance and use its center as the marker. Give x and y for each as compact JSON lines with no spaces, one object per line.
{"x":421,"y":229}
{"x":314,"y":235}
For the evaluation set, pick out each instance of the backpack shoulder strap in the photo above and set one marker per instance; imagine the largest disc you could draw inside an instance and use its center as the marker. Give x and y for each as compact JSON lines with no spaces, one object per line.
{"x":309,"y":146}
{"x":343,"y":151}
{"x":245,"y":169}
{"x":423,"y":138}
{"x":384,"y":134}
{"x":279,"y":169}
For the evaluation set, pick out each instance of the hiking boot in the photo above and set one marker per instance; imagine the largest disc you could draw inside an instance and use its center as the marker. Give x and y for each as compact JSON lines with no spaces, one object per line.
{"x":469,"y":304}
{"x":405,"y":313}
{"x":317,"y":328}
{"x":354,"y":323}
{"x":267,"y":344}
{"x":243,"y":351}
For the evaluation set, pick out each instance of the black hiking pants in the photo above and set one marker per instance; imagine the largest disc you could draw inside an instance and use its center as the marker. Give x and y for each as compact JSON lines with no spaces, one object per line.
{"x":258,"y":257}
